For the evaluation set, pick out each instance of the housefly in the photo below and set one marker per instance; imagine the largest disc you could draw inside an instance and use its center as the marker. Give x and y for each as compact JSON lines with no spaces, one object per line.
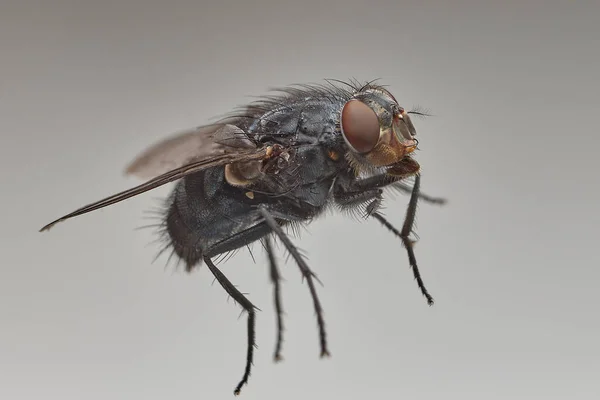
{"x":273,"y":165}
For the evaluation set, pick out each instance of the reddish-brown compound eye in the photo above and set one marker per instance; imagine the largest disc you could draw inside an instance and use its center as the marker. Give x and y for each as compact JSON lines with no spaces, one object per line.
{"x":360,"y":126}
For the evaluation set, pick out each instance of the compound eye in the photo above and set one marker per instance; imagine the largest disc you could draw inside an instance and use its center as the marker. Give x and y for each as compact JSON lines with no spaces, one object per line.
{"x":360,"y":126}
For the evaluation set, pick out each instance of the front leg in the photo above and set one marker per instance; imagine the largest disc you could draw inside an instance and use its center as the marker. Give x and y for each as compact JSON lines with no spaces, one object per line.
{"x":368,"y":201}
{"x":364,"y":195}
{"x":349,"y":190}
{"x":352,"y":192}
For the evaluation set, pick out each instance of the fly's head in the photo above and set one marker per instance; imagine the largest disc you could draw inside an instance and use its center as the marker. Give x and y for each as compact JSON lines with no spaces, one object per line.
{"x":378,"y":133}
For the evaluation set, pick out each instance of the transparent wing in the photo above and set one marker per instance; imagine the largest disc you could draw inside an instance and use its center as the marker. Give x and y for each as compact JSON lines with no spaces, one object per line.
{"x":179,"y":156}
{"x":188,"y":146}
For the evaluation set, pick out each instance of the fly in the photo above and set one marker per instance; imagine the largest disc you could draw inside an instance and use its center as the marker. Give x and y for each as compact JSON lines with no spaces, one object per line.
{"x":272,"y":165}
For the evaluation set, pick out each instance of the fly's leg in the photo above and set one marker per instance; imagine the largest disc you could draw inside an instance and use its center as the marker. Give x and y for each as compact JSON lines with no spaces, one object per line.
{"x":403,"y":187}
{"x":275,"y":278}
{"x":249,"y":308}
{"x":369,"y":200}
{"x":383,"y":180}
{"x":405,"y":233}
{"x":304,"y":269}
{"x":349,"y":191}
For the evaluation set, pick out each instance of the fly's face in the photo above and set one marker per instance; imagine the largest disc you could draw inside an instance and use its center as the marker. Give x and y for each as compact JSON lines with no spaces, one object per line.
{"x":377,"y":131}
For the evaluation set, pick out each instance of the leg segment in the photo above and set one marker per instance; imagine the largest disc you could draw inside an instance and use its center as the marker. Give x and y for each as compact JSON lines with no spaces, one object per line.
{"x":349,"y":184}
{"x":353,"y":192}
{"x":403,"y":187}
{"x":368,"y":201}
{"x":275,"y":278}
{"x":404,"y":235}
{"x":249,"y":308}
{"x":306,"y":273}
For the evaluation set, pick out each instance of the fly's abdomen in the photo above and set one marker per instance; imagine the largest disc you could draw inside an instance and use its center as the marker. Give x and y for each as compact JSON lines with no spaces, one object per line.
{"x":181,"y":226}
{"x":204,"y":213}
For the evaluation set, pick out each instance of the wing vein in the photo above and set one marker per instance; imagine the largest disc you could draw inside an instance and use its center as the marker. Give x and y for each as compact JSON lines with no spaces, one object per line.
{"x":163,"y":179}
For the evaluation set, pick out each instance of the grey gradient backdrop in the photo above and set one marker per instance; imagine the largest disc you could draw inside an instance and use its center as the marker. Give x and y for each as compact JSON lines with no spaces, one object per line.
{"x":512,"y":260}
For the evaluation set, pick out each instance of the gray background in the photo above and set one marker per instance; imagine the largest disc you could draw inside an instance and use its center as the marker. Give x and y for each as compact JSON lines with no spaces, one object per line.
{"x":512,"y":260}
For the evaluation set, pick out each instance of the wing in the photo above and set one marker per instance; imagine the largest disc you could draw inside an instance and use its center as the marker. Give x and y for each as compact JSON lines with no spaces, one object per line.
{"x":184,"y":154}
{"x":188,"y":146}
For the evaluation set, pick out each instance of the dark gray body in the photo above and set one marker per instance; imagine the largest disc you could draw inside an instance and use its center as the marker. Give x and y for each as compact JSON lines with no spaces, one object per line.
{"x":291,"y":161}
{"x":207,"y":216}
